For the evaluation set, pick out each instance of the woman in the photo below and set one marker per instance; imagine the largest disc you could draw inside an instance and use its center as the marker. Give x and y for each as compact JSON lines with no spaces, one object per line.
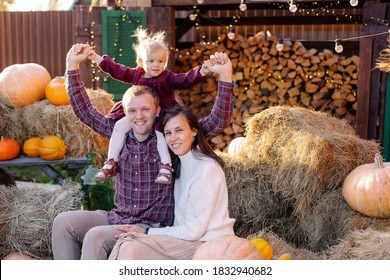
{"x":201,"y":197}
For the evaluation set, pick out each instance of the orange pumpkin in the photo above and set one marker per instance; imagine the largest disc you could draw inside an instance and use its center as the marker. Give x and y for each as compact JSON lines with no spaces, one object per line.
{"x":31,"y":147}
{"x":367,"y":188}
{"x":56,"y":91}
{"x":227,"y":247}
{"x":52,"y":147}
{"x":9,"y":149}
{"x":285,"y":256}
{"x":263,"y":247}
{"x":23,"y":84}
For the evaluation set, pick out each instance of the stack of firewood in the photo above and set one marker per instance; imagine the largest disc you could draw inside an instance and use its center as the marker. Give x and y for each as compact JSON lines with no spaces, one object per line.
{"x":265,"y":77}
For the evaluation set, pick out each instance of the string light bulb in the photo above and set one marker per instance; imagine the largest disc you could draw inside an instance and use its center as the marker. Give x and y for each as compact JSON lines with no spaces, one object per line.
{"x":293,"y":8}
{"x":200,"y":1}
{"x":279,"y":46}
{"x":192,"y":17}
{"x":242,"y":6}
{"x":338,"y":46}
{"x":231,"y":35}
{"x":354,"y":3}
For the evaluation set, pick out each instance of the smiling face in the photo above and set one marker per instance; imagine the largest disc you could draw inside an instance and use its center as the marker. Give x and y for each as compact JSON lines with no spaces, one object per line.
{"x":179,"y":135}
{"x":154,"y":62}
{"x":141,"y":111}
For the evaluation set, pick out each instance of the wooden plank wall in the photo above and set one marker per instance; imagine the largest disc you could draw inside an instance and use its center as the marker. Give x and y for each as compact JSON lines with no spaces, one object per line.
{"x":39,"y":37}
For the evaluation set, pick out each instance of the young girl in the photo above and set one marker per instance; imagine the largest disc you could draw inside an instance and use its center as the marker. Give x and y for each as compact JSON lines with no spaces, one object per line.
{"x":152,"y":58}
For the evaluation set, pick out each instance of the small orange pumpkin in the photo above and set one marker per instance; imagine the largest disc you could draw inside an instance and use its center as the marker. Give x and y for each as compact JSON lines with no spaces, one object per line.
{"x":56,"y":92}
{"x":285,"y":256}
{"x":227,"y":247}
{"x":263,"y":247}
{"x":52,"y":147}
{"x":31,"y":147}
{"x":9,"y":148}
{"x":367,"y":188}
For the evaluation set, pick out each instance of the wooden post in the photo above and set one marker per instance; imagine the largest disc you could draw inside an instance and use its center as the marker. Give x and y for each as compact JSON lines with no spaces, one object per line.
{"x":89,"y":30}
{"x":370,"y":94}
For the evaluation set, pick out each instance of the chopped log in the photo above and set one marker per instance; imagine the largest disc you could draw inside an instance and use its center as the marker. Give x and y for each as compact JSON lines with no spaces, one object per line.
{"x":311,"y":88}
{"x":319,"y":80}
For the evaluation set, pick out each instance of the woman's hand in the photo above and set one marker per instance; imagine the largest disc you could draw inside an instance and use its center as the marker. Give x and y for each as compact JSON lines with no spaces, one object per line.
{"x":129,"y":228}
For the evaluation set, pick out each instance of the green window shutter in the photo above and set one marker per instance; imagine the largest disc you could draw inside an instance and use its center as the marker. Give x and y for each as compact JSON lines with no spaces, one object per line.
{"x":386,"y":136}
{"x":117,"y":41}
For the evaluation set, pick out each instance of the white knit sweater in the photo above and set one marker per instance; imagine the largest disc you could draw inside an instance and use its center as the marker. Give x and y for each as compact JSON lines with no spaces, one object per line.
{"x":201,"y":201}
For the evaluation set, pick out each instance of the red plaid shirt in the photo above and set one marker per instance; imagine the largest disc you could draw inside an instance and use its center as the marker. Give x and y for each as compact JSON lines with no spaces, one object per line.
{"x":138,"y":199}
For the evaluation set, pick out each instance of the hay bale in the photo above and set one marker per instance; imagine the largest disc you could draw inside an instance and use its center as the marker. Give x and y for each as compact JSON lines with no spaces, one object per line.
{"x":27,"y":215}
{"x":330,"y":219}
{"x":42,"y":118}
{"x":368,"y":244}
{"x":280,"y":246}
{"x":10,"y":127}
{"x":307,"y":152}
{"x":252,"y":202}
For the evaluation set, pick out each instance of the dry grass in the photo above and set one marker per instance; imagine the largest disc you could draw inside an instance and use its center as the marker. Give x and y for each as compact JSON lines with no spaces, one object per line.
{"x":383,"y":62}
{"x":26,"y":217}
{"x":368,"y":244}
{"x":10,"y":127}
{"x":308,"y":152}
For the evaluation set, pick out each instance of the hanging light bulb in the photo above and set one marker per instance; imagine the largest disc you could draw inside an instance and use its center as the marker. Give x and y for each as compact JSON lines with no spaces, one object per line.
{"x":338,"y":46}
{"x":268,"y":35}
{"x":242,"y":6}
{"x":231,"y":35}
{"x":279,"y":46}
{"x":200,"y":1}
{"x":192,"y":17}
{"x":354,"y":3}
{"x":293,"y":8}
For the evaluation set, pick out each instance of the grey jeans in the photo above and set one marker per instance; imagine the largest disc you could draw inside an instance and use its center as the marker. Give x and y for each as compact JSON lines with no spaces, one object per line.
{"x":85,"y":235}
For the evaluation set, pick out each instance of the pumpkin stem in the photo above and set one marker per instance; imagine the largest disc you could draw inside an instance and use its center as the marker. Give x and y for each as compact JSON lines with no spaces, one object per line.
{"x":378,"y":161}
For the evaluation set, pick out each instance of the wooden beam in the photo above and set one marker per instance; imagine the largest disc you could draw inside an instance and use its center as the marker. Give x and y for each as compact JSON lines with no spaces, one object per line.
{"x":236,"y":2}
{"x":276,"y":20}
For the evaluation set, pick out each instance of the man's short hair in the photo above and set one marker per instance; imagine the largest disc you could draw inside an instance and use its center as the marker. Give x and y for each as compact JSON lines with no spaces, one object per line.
{"x":136,"y":91}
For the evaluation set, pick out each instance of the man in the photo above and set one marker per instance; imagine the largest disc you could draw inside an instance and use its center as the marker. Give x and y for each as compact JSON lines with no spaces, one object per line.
{"x":138,"y":199}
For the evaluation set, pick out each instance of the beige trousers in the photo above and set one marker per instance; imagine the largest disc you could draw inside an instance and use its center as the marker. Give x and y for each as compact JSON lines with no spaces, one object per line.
{"x":140,"y":246}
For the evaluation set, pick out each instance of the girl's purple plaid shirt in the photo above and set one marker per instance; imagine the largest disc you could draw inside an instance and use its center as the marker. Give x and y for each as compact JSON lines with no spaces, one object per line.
{"x":138,"y":199}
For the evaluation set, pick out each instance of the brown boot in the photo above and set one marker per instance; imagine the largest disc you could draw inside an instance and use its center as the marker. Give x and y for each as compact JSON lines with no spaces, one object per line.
{"x":110,"y":169}
{"x":165,"y":174}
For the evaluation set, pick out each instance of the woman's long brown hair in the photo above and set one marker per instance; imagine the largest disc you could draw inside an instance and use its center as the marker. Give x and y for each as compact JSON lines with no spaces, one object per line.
{"x":200,"y":146}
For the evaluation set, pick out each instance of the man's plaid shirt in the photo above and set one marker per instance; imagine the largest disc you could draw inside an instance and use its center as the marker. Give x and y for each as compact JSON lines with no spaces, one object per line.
{"x":138,"y":199}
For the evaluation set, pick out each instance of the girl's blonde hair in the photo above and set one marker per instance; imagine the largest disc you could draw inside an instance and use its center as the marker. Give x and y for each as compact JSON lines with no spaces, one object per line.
{"x":147,"y":43}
